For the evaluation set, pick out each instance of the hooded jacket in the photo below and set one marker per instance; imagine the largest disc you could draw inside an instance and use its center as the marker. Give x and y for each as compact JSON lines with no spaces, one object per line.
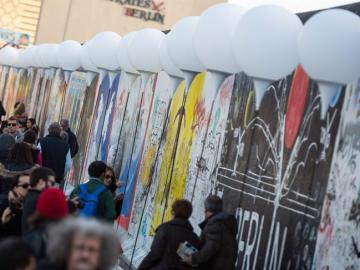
{"x":218,"y":240}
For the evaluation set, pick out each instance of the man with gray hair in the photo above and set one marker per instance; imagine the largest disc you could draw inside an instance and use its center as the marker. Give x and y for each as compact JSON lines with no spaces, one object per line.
{"x":55,"y":152}
{"x":218,"y":238}
{"x":81,"y":244}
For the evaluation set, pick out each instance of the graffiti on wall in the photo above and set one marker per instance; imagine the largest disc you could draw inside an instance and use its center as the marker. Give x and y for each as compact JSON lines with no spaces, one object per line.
{"x":338,"y":232}
{"x":272,"y":178}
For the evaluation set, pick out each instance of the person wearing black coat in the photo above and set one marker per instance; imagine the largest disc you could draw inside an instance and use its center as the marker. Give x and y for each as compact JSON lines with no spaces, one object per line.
{"x":55,"y":152}
{"x":218,"y":238}
{"x":73,"y":143}
{"x":163,"y":254}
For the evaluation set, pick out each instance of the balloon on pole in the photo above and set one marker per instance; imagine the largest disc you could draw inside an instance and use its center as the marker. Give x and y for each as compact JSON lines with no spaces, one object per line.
{"x":265,"y":45}
{"x":329,"y":51}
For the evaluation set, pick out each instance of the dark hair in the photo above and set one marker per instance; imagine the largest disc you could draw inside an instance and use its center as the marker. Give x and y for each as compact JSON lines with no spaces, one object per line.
{"x":40,"y":173}
{"x":32,"y":121}
{"x":15,"y":253}
{"x":112,"y":186}
{"x":12,"y":118}
{"x":213,"y":204}
{"x":21,"y":153}
{"x":182,"y":209}
{"x":97,"y":168}
{"x":30,"y":137}
{"x":16,"y":180}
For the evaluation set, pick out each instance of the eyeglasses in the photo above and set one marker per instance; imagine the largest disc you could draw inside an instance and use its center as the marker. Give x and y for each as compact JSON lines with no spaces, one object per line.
{"x":25,"y":186}
{"x":12,"y":125}
{"x":108,"y":176}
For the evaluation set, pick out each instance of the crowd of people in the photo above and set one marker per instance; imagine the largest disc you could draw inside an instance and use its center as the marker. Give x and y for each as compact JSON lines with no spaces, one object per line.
{"x":42,"y":228}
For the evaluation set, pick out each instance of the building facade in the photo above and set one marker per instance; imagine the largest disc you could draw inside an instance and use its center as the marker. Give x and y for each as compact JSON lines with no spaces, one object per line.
{"x":82,"y":19}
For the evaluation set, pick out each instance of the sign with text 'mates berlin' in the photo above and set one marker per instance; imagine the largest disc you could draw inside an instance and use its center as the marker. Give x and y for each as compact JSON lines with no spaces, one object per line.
{"x":147,"y":10}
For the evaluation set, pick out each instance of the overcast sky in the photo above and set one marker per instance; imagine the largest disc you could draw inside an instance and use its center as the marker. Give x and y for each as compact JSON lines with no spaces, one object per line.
{"x":295,"y":5}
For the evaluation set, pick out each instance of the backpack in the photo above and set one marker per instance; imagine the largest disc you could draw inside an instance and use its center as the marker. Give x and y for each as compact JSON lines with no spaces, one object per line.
{"x":90,"y":201}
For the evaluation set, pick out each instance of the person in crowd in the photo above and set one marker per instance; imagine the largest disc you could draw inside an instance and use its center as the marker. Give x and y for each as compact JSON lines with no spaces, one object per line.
{"x":55,"y":153}
{"x":2,"y":110}
{"x":74,"y":146}
{"x":40,"y":179}
{"x":51,"y":207}
{"x":112,"y":184}
{"x":6,"y":143}
{"x":30,"y":139}
{"x":19,"y":161}
{"x":19,"y":112}
{"x":31,"y":125}
{"x":77,"y":243}
{"x":14,"y":130}
{"x":218,"y":238}
{"x":96,"y":199}
{"x":110,"y":180}
{"x":168,"y":237}
{"x":4,"y":127}
{"x":16,"y":254}
{"x":12,"y":213}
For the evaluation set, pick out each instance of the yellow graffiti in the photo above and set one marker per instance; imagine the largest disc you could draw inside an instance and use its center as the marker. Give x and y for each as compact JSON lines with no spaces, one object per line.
{"x":167,"y":192}
{"x":247,"y":108}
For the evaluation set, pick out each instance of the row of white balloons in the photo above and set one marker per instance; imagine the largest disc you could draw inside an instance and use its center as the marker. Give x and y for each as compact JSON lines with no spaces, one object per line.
{"x":266,"y":42}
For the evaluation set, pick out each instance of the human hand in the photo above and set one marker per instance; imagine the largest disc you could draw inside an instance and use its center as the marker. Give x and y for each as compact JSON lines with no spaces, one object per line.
{"x":75,"y":201}
{"x":6,"y":216}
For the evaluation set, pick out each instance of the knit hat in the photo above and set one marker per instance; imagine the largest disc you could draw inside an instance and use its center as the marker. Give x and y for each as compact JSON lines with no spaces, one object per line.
{"x":52,"y":204}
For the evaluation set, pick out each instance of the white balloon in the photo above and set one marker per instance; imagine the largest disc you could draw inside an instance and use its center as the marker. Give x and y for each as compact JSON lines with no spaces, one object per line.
{"x":181,"y":46}
{"x":166,"y":63}
{"x":69,"y":54}
{"x":20,"y":59}
{"x":34,"y":58}
{"x":265,"y":42}
{"x":85,"y":60}
{"x":102,"y":50}
{"x":213,"y":37}
{"x":48,"y":55}
{"x":8,"y":56}
{"x":329,"y":46}
{"x":122,"y":53}
{"x":144,"y":50}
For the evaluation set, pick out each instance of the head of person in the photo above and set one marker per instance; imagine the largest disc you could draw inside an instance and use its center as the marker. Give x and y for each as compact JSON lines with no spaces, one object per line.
{"x":21,"y":185}
{"x":13,"y":125}
{"x":42,"y":178}
{"x":4,"y":127}
{"x":52,"y":205}
{"x":16,"y":254}
{"x":83,"y":244}
{"x":30,"y":122}
{"x":181,"y":209}
{"x":6,"y":143}
{"x":64,"y":123}
{"x":97,"y":169}
{"x":213,"y":205}
{"x":22,"y":125}
{"x":19,"y":108}
{"x":64,"y":136}
{"x":110,"y":179}
{"x":54,"y":129}
{"x":20,"y":153}
{"x":30,"y":137}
